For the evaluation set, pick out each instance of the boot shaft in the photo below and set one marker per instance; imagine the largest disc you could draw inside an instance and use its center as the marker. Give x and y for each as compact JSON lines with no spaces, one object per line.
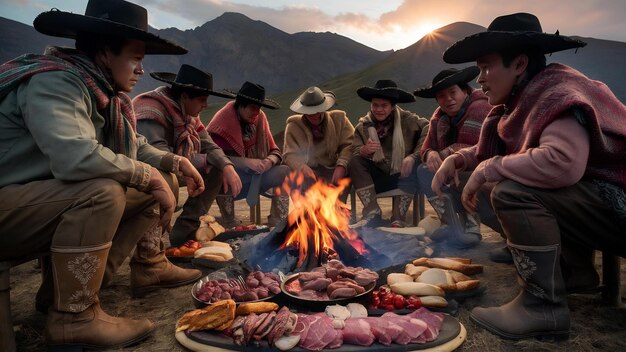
{"x":367,"y":195}
{"x":77,"y":275}
{"x":279,"y":210}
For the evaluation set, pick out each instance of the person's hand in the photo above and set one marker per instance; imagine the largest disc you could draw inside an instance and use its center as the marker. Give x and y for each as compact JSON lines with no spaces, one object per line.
{"x":267,"y":164}
{"x":407,"y":166}
{"x":433,"y":160}
{"x":469,"y":196}
{"x":369,"y":148}
{"x":160,"y":190}
{"x":338,"y":174}
{"x":307,"y":172}
{"x":230,"y":179}
{"x":256,"y":165}
{"x":446,"y":172}
{"x":193,"y":180}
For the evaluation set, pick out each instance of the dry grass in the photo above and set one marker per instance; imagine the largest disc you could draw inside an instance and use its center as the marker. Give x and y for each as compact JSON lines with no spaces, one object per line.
{"x":594,"y":327}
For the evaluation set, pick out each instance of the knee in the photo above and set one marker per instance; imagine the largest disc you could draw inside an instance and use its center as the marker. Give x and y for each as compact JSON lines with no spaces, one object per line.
{"x":505,"y":192}
{"x":356,"y":163}
{"x":111,"y":194}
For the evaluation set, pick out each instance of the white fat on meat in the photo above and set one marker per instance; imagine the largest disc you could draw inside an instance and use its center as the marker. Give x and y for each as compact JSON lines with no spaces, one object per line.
{"x":337,"y":312}
{"x":287,"y":342}
{"x":357,"y":310}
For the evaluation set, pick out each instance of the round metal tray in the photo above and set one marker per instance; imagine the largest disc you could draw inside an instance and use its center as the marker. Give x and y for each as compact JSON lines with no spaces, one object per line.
{"x":321,"y":304}
{"x":200,"y":303}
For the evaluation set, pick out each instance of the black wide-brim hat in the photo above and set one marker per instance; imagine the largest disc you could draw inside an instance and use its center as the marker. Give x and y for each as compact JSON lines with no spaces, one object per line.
{"x":192,"y":79}
{"x":508,"y":32}
{"x":106,"y":17}
{"x":386,"y":89}
{"x":255,"y":93}
{"x":447,"y":78}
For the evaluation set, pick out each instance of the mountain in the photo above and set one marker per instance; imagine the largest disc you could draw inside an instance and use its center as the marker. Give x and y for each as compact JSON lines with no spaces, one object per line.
{"x":234,"y":48}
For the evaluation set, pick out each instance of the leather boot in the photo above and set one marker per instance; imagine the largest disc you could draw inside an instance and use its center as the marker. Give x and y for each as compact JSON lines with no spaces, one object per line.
{"x":279,"y":210}
{"x":398,"y":219}
{"x":226,"y":204}
{"x":371,"y":210}
{"x":75,"y":318}
{"x":501,"y":255}
{"x":150,"y":269}
{"x":540,"y":309}
{"x":44,"y":297}
{"x":454,"y":229}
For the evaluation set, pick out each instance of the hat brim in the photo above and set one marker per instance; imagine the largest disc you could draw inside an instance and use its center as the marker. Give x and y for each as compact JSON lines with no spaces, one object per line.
{"x":268,"y":103}
{"x":68,"y":25}
{"x":328,"y":103}
{"x":474,"y":46}
{"x":170,"y":78}
{"x":463,"y":76}
{"x":394,"y":94}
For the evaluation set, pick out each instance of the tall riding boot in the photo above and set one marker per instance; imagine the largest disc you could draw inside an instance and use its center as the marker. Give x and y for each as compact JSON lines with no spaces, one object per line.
{"x":150,"y":269}
{"x":371,"y":210}
{"x":579,"y":272}
{"x":75,"y":317}
{"x":279,"y":210}
{"x":450,"y":222}
{"x":398,"y":218}
{"x":226,"y":204}
{"x":540,"y":309}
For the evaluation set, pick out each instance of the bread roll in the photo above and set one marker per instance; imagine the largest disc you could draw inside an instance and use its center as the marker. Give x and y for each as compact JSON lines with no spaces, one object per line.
{"x":450,"y":263}
{"x":256,"y":307}
{"x":438,"y":277}
{"x":225,"y":253}
{"x":414,"y":271}
{"x":398,"y":277}
{"x":218,"y":315}
{"x":467,"y":285}
{"x":217,"y":244}
{"x":434,"y":301}
{"x":416,"y":288}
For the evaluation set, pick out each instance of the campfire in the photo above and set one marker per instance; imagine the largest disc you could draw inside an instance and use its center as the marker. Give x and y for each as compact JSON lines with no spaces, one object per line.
{"x":319,"y":222}
{"x":317,"y":230}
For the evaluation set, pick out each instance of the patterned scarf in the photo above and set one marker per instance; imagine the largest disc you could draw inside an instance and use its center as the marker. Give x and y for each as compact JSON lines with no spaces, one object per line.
{"x":158,"y":105}
{"x":116,"y":107}
{"x":397,"y":154}
{"x":556,"y":90}
{"x":316,"y":130}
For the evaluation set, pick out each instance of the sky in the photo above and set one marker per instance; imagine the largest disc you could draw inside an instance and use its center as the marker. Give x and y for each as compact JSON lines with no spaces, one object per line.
{"x":380,"y":24}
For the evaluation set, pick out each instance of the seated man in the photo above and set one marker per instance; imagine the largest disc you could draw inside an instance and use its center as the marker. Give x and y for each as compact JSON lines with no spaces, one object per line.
{"x":77,"y":180}
{"x":241,"y":129}
{"x":454,"y":125}
{"x":386,"y":146}
{"x":318,"y":141}
{"x":554,"y":143}
{"x":169,"y":117}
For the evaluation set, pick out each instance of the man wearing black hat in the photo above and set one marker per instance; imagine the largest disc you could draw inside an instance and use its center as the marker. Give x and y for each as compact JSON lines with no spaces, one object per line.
{"x":77,"y":180}
{"x":169,"y":118}
{"x":554,"y":143}
{"x":241,"y":129}
{"x":386,"y":147}
{"x":454,"y":125}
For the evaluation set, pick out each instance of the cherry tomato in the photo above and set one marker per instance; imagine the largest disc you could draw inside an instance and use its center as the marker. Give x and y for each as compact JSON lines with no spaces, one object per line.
{"x":399,"y":302}
{"x":390,"y":307}
{"x":239,"y":228}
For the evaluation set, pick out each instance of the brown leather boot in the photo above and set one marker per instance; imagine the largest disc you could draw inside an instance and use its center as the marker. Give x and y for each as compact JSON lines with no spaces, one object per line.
{"x":75,"y":318}
{"x":540,"y":309}
{"x":226,"y":204}
{"x":279,"y":210}
{"x":400,"y":208}
{"x":371,"y":210}
{"x":151,"y":270}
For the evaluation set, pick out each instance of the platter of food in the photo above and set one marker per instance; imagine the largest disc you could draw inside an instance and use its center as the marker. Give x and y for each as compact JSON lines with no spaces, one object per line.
{"x":183,"y":253}
{"x":257,"y":286}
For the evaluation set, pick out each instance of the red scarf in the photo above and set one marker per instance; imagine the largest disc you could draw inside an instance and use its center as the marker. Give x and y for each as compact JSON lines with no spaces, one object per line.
{"x":551,"y":93}
{"x":159,"y":105}
{"x":226,"y":124}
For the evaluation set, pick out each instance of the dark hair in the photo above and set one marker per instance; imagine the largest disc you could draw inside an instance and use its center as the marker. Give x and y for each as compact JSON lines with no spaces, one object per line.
{"x":536,"y":59}
{"x":243,"y":102}
{"x":177,"y":91}
{"x":91,"y":43}
{"x":466,"y":87}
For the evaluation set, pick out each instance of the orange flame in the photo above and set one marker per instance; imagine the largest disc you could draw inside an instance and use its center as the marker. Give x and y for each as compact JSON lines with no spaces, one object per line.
{"x":318,"y":216}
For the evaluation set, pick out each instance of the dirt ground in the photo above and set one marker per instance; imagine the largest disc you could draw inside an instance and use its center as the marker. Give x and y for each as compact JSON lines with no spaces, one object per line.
{"x":594,"y":327}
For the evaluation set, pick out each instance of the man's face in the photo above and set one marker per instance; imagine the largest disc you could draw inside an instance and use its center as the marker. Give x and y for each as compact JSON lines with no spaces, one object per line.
{"x":381,"y":108}
{"x":314,"y":118}
{"x":496,"y":80}
{"x":250,"y":112}
{"x":127,"y":66}
{"x":193,"y":106}
{"x":451,"y":99}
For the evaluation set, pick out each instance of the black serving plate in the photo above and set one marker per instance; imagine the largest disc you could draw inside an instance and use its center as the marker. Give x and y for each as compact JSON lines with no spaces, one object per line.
{"x":233,"y":234}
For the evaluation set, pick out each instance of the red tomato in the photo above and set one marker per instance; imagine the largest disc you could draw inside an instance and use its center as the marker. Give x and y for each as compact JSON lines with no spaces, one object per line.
{"x":375,"y":301}
{"x":239,"y":228}
{"x":390,"y":307}
{"x":399,"y":302}
{"x":388,"y":300}
{"x":415,"y":301}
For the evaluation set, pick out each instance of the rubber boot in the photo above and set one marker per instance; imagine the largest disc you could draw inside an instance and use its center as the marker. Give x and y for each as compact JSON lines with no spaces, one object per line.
{"x":398,"y":218}
{"x":279,"y":210}
{"x":371,"y":209}
{"x":540,"y":309}
{"x":226,"y":204}
{"x":150,"y":269}
{"x":75,"y":319}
